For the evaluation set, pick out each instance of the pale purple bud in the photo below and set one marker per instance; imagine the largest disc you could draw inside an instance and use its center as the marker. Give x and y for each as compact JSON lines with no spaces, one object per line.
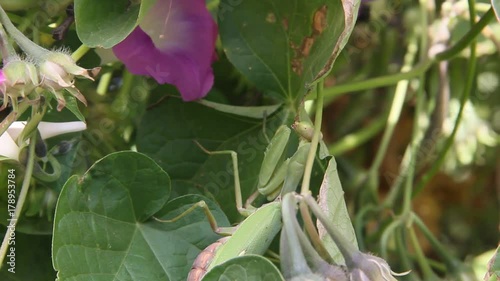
{"x":367,"y":267}
{"x":57,"y":73}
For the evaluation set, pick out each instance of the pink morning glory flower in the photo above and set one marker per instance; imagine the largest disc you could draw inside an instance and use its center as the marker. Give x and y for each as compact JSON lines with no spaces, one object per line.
{"x":175,"y":44}
{"x":2,"y":77}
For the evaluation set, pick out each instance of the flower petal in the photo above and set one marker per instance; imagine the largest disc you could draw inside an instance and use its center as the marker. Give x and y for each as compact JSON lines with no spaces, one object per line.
{"x":48,"y":129}
{"x":174,"y":44}
{"x":2,"y":77}
{"x":16,"y":128}
{"x":52,"y":129}
{"x":8,"y":147}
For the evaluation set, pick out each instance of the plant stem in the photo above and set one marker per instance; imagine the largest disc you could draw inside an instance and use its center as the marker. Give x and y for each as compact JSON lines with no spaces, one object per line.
{"x":80,"y":52}
{"x":414,"y":148}
{"x":359,"y":223}
{"x":8,"y":51}
{"x":313,"y":233}
{"x":422,"y":261}
{"x":436,"y":245}
{"x":384,"y":239}
{"x":37,"y":114}
{"x":468,"y":38}
{"x":122,"y":99}
{"x":403,"y":252}
{"x":353,"y":140}
{"x":12,"y":117}
{"x":315,"y":140}
{"x":471,"y":70}
{"x":398,"y":182}
{"x":345,"y":247}
{"x":295,"y":255}
{"x":26,"y":44}
{"x":102,"y":87}
{"x":22,"y":198}
{"x":333,"y":92}
{"x":394,"y":114}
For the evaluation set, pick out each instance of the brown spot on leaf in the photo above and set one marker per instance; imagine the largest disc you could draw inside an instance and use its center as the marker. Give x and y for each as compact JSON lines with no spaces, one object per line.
{"x":297,"y":66}
{"x":319,"y":24}
{"x":285,"y":23}
{"x":320,"y":20}
{"x":271,"y":18}
{"x":307,"y":44}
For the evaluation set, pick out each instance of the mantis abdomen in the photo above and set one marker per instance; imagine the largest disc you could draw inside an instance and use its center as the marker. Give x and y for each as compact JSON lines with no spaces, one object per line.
{"x":204,"y":259}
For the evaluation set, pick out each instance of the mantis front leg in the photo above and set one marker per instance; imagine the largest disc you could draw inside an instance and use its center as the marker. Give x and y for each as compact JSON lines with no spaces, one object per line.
{"x":237,"y":187}
{"x":271,"y":179}
{"x":275,"y":172}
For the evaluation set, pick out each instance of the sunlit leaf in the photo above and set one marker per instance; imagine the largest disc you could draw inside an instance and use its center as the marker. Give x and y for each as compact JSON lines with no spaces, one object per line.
{"x":281,"y":45}
{"x":105,"y":218}
{"x":331,"y":200}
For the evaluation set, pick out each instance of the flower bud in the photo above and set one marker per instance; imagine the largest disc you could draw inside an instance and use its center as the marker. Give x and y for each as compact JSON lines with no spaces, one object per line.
{"x":299,"y":259}
{"x":361,"y":266}
{"x":367,"y":267}
{"x":57,"y":73}
{"x":58,"y":70}
{"x":310,"y":277}
{"x":19,"y":78}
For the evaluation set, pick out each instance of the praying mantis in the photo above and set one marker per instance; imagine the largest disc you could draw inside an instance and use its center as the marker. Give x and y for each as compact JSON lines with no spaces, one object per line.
{"x":278,"y":175}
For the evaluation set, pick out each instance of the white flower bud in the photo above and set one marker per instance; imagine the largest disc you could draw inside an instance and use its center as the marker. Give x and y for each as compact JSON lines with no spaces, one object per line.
{"x":367,"y":267}
{"x":9,"y":148}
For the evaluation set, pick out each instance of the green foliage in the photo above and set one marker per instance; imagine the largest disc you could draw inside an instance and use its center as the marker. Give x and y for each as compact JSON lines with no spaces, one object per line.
{"x":106,"y":23}
{"x":273,"y":55}
{"x":105,"y":217}
{"x":281,"y":45}
{"x":332,"y":201}
{"x":167,"y":135}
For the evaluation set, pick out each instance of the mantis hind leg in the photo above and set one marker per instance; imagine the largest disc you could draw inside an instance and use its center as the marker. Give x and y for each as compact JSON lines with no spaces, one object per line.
{"x":247,"y":210}
{"x":211,"y":219}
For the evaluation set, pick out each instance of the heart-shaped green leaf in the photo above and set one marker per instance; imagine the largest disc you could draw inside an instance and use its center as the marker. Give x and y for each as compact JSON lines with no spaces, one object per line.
{"x":167,"y":133}
{"x":103,"y":228}
{"x":331,"y":200}
{"x":281,"y":45}
{"x":106,"y":23}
